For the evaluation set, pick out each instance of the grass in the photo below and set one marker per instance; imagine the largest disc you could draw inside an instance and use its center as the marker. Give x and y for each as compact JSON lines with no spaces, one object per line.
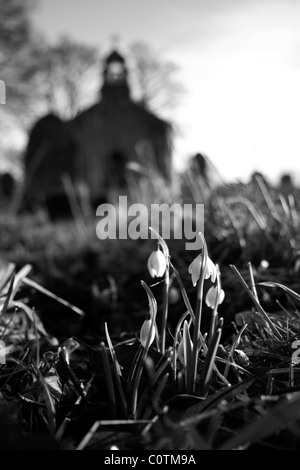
{"x":97,"y":359}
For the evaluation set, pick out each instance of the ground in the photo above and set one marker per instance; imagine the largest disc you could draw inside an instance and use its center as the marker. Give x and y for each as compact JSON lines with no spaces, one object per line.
{"x":73,"y":307}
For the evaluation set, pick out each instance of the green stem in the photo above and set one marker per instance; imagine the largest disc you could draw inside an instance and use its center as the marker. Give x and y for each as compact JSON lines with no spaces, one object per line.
{"x":165,"y":309}
{"x":198,"y":314}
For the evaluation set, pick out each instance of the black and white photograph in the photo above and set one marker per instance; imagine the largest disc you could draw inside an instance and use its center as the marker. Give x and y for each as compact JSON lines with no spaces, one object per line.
{"x":150,"y":227}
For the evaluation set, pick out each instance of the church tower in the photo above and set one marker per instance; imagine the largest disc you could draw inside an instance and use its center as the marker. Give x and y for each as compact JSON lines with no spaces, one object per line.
{"x":115,"y":81}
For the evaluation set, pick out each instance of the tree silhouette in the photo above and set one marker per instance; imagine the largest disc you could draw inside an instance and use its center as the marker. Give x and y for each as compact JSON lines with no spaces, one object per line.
{"x":153,"y":78}
{"x":68,"y":77}
{"x":19,"y":43}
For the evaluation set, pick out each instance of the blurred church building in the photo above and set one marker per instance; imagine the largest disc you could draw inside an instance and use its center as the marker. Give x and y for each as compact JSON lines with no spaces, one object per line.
{"x":93,"y":152}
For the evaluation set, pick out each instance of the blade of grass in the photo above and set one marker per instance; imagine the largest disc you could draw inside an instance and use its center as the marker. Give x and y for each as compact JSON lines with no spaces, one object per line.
{"x":19,"y":277}
{"x":111,"y":423}
{"x":49,"y":402}
{"x":187,"y":304}
{"x":9,"y":271}
{"x":45,"y":291}
{"x":69,"y":372}
{"x":154,"y":379}
{"x":157,"y":394}
{"x":62,"y":428}
{"x":290,"y":292}
{"x":252,"y":282}
{"x":165,"y":309}
{"x":50,"y":406}
{"x":37,"y":343}
{"x":8,"y":296}
{"x":140,"y":366}
{"x":265,"y":426}
{"x":175,"y":342}
{"x":88,"y":436}
{"x":117,"y":371}
{"x":232,"y":349}
{"x":267,"y":197}
{"x":293,"y":212}
{"x":235,"y":224}
{"x":183,"y":292}
{"x":198,"y":314}
{"x":134,"y":363}
{"x":187,"y":352}
{"x":31,"y":315}
{"x":206,"y":374}
{"x":257,"y":304}
{"x":76,"y":209}
{"x":109,"y":380}
{"x":214,"y":316}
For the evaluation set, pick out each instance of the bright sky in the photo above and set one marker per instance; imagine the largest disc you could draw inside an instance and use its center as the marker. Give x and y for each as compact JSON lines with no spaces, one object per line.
{"x":240,"y":65}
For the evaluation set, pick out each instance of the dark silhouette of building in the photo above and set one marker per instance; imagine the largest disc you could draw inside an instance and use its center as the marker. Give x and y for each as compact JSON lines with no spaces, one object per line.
{"x":94,"y":148}
{"x":49,"y":155}
{"x":7,"y":187}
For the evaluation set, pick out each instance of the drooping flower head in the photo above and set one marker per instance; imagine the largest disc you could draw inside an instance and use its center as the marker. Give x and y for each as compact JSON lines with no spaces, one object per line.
{"x":147,"y":333}
{"x":212,"y":298}
{"x":195,"y":268}
{"x":157,"y":263}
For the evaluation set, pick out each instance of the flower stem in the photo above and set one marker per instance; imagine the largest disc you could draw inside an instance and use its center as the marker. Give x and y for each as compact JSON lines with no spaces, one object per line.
{"x":214,"y":317}
{"x":198,"y":314}
{"x":165,"y":309}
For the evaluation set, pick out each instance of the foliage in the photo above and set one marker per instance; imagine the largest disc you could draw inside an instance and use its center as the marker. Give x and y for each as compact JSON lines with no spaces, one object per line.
{"x":188,"y":387}
{"x":68,"y":76}
{"x":19,"y":46}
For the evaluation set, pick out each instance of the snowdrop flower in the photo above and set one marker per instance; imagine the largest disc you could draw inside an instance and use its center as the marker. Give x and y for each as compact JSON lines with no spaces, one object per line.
{"x":195,"y":268}
{"x":211,"y":296}
{"x":157,"y":264}
{"x":148,"y":329}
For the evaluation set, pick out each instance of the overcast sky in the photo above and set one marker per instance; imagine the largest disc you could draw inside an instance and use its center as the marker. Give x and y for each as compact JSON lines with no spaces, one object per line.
{"x":240,"y":65}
